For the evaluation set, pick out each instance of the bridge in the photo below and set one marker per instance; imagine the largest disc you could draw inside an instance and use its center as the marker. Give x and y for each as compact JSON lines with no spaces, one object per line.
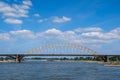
{"x":60,"y":49}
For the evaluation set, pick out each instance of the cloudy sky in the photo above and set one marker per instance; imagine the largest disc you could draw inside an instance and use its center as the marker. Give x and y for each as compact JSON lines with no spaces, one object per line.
{"x":27,"y":24}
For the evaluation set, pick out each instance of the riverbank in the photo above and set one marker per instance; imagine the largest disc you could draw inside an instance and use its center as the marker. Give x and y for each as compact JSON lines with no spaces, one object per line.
{"x":7,"y":61}
{"x":88,"y":61}
{"x":114,"y":63}
{"x":111,"y":63}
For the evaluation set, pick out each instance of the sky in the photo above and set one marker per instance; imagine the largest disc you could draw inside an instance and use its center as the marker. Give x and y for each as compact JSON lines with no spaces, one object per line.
{"x":28,"y":24}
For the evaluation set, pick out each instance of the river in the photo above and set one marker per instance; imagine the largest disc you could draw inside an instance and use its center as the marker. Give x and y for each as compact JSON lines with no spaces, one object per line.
{"x":53,"y":70}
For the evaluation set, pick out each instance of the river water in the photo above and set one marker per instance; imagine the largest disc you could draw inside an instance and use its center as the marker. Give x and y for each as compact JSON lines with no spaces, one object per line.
{"x":47,"y":70}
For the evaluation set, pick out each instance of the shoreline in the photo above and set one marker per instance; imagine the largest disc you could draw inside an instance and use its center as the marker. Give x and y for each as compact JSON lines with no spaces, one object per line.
{"x":113,"y":65}
{"x":99,"y":62}
{"x":7,"y":61}
{"x":58,"y":61}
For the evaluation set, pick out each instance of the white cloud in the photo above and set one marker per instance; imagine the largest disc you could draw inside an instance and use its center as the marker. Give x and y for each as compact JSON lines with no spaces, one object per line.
{"x":114,"y":34}
{"x":4,"y":7}
{"x":92,"y":34}
{"x":23,"y":33}
{"x":40,"y":21}
{"x":97,"y":29}
{"x":27,"y":2}
{"x":53,"y":31}
{"x":14,"y":15}
{"x":15,"y":10}
{"x":37,"y":15}
{"x":50,"y":34}
{"x":13,"y":21}
{"x":117,"y":31}
{"x":84,"y":37}
{"x":5,"y":36}
{"x":61,"y":20}
{"x":68,"y":36}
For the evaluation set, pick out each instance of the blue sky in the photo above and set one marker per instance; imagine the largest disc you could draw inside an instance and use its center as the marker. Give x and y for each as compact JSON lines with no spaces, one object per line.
{"x":27,"y":24}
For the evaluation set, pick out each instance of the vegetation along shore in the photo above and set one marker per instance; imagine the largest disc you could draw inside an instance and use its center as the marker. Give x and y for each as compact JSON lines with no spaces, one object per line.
{"x":113,"y":61}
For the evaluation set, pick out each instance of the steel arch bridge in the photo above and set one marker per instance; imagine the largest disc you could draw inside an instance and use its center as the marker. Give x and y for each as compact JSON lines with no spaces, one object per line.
{"x":62,"y":48}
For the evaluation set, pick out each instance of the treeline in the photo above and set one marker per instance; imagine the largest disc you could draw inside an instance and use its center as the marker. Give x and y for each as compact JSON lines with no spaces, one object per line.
{"x":5,"y":58}
{"x":76,"y":58}
{"x":65,"y":58}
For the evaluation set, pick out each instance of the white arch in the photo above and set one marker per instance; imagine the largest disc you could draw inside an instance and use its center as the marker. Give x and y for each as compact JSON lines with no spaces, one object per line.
{"x":71,"y":45}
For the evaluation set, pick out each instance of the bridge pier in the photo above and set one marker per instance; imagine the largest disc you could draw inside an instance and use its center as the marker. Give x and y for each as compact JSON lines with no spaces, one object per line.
{"x":106,"y":58}
{"x":18,"y":58}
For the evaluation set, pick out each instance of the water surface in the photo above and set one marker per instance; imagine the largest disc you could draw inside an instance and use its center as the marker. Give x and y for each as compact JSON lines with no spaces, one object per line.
{"x":47,"y":70}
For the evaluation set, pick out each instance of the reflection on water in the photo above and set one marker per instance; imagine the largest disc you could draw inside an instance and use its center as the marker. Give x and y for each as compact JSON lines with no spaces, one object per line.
{"x":46,"y":70}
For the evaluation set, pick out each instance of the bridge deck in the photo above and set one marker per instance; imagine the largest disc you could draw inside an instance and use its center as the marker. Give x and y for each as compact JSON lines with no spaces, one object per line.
{"x":60,"y":54}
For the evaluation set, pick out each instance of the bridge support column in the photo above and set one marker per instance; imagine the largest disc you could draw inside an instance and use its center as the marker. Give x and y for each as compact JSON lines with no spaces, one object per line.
{"x":18,"y":58}
{"x":106,"y":58}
